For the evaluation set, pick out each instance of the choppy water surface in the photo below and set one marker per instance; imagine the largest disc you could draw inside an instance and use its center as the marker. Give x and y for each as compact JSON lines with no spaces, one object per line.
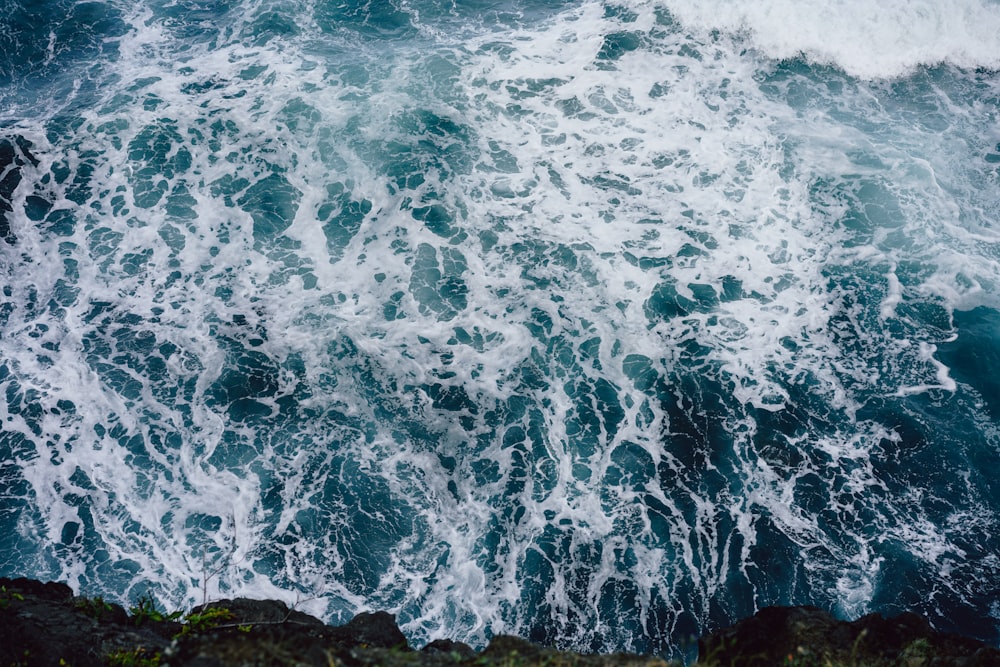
{"x":601,"y":323}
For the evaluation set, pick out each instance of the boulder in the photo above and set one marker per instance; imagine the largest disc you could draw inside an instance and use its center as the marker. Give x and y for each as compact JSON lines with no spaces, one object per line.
{"x":377,"y":629}
{"x":808,"y":635}
{"x":449,"y":647}
{"x":44,"y":624}
{"x":244,"y":611}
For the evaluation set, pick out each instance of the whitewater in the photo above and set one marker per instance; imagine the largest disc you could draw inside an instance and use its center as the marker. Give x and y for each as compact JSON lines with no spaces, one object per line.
{"x":605,"y":324}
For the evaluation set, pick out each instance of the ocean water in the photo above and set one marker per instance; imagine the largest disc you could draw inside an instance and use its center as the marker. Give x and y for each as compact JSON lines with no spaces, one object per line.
{"x":601,"y":323}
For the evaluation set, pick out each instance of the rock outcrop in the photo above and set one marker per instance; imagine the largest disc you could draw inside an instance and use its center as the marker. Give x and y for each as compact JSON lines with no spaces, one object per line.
{"x":45,"y":624}
{"x":809,"y":636}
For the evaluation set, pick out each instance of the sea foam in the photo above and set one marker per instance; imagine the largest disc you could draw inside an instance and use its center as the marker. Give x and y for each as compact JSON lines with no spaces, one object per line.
{"x":871,"y":40}
{"x":584,"y":322}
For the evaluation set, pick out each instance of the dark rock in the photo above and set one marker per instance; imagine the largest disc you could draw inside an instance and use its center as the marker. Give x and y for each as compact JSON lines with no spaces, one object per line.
{"x":42,"y":623}
{"x":266,"y":633}
{"x":376,"y":629}
{"x":100,"y":610}
{"x":768,"y":637}
{"x":510,"y":645}
{"x":245,"y":611}
{"x":55,"y":592}
{"x":261,"y":645}
{"x":449,"y":647}
{"x":780,"y":635}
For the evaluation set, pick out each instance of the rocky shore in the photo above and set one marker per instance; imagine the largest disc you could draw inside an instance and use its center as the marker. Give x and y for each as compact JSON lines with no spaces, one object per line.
{"x":46,"y":624}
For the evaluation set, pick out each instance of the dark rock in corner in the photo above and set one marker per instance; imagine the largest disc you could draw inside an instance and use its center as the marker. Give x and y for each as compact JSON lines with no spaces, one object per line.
{"x":44,"y":624}
{"x":51,"y":591}
{"x":807,"y":635}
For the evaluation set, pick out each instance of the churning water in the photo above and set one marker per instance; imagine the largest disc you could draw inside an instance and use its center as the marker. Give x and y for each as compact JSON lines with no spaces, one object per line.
{"x":602,"y":323}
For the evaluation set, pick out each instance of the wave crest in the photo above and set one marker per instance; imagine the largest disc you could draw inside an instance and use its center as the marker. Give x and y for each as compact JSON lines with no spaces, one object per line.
{"x":865,"y":39}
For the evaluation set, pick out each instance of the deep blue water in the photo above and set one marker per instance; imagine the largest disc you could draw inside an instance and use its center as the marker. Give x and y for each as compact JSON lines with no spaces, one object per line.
{"x":601,"y":323}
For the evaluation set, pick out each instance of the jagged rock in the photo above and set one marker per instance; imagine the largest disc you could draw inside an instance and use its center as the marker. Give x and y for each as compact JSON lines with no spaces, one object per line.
{"x":262,"y":633}
{"x":254,"y":646}
{"x":783,"y":635}
{"x":50,"y":591}
{"x":265,"y":633}
{"x":251,"y":632}
{"x":510,"y":645}
{"x":43,"y":623}
{"x":376,"y":629}
{"x":447,"y":646}
{"x":245,"y":611}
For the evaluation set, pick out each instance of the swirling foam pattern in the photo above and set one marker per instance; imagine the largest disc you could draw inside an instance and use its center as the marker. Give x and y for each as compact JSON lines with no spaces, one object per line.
{"x":603,"y":323}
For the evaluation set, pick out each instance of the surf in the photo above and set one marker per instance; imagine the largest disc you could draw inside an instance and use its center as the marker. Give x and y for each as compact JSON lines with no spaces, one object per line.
{"x":603,"y":324}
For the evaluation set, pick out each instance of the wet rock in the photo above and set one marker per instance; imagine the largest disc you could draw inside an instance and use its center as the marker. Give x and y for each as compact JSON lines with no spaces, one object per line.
{"x":264,"y":633}
{"x":508,"y":645}
{"x":243,"y":611}
{"x":807,"y":635}
{"x":261,"y":645}
{"x":50,"y":591}
{"x":376,"y":629}
{"x":43,"y":624}
{"x":449,"y":647}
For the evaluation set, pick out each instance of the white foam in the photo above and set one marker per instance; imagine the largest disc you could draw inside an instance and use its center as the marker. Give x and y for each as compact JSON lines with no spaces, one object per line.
{"x":941,"y":373}
{"x":871,"y":40}
{"x":893,"y":296}
{"x":665,"y":166}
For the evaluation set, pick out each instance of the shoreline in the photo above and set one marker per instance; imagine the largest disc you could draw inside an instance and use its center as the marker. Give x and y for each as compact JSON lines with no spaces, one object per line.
{"x":47,"y":624}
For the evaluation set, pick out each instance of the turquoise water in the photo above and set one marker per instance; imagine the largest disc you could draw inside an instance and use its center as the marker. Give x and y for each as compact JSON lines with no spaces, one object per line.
{"x":605,"y":324}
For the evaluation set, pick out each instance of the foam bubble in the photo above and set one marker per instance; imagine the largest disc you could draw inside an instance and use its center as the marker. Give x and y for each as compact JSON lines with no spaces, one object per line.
{"x":865,"y":39}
